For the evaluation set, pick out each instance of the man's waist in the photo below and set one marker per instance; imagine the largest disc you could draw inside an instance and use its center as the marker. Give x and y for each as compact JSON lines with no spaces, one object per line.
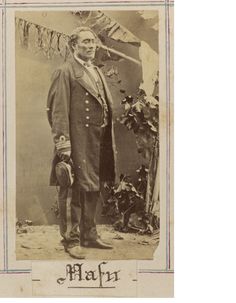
{"x":101,"y":120}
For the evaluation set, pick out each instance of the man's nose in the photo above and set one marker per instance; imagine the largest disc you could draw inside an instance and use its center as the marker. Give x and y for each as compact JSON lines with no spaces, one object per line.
{"x":92,"y":45}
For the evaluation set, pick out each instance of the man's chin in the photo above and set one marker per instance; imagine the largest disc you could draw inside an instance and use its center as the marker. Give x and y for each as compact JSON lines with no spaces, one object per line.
{"x":91,"y":57}
{"x":87,"y":57}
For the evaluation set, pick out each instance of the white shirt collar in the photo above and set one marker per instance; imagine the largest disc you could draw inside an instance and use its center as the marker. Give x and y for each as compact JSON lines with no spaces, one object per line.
{"x":91,"y":68}
{"x":84,"y":63}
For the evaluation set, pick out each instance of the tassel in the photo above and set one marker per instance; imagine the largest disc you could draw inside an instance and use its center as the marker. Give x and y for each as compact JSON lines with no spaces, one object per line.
{"x":26,"y":27}
{"x":58,"y":42}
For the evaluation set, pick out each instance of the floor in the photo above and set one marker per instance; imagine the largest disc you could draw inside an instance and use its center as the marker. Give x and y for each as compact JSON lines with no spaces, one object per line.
{"x":43,"y":243}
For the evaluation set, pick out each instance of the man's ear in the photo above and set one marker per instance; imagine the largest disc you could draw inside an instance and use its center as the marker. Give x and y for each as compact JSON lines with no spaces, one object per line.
{"x":71,"y":46}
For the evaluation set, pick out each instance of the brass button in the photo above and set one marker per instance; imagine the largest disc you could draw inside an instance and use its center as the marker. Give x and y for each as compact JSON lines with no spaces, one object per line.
{"x":86,"y":125}
{"x":87,"y":109}
{"x":87,"y":117}
{"x":62,"y":138}
{"x":86,"y":94}
{"x":87,"y":101}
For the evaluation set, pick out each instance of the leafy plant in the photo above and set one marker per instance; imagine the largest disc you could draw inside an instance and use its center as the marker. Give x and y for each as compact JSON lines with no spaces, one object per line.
{"x":126,"y":204}
{"x":141,"y":116}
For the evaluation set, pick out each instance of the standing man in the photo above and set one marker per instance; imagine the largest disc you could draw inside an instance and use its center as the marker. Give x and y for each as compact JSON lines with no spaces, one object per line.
{"x":80,"y":114}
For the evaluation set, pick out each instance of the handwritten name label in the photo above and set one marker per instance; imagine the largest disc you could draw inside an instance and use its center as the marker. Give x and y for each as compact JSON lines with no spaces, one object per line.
{"x":98,"y":273}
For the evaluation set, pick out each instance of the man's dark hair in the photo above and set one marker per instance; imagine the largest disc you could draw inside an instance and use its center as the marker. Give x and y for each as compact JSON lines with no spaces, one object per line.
{"x":73,"y":39}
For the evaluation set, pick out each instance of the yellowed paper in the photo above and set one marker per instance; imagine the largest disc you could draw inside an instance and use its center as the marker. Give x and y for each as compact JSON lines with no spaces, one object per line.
{"x":137,"y":55}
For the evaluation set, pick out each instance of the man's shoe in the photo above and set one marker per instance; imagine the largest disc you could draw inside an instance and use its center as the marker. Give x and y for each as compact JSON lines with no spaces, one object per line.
{"x":75,"y":252}
{"x":98,"y":243}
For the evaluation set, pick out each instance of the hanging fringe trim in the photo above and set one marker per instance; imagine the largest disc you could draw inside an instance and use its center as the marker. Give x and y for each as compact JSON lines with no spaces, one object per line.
{"x":39,"y":38}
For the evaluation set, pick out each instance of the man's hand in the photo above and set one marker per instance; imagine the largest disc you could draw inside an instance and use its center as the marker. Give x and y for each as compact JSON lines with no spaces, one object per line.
{"x":64,"y":156}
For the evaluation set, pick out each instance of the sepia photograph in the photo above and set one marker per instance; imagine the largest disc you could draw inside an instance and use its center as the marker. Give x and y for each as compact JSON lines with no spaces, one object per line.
{"x":87,"y":134}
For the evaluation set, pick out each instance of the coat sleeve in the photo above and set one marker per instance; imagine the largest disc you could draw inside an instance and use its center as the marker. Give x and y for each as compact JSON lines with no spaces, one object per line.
{"x":58,"y":107}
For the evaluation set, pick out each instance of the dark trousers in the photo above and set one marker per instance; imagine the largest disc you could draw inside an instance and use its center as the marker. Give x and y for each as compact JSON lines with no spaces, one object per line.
{"x":78,"y":208}
{"x":77,"y":215}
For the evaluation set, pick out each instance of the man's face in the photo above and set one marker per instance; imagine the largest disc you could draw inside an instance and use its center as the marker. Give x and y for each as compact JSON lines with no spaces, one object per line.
{"x":86,"y":46}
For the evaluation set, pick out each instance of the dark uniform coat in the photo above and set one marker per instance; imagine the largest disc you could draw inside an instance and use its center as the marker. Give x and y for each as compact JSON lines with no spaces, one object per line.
{"x":76,"y":114}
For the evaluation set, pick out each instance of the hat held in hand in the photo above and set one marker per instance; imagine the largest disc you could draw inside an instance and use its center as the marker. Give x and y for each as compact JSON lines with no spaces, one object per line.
{"x":64,"y":174}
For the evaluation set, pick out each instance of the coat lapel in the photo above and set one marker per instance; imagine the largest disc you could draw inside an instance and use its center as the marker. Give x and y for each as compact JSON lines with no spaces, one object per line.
{"x":83,"y":78}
